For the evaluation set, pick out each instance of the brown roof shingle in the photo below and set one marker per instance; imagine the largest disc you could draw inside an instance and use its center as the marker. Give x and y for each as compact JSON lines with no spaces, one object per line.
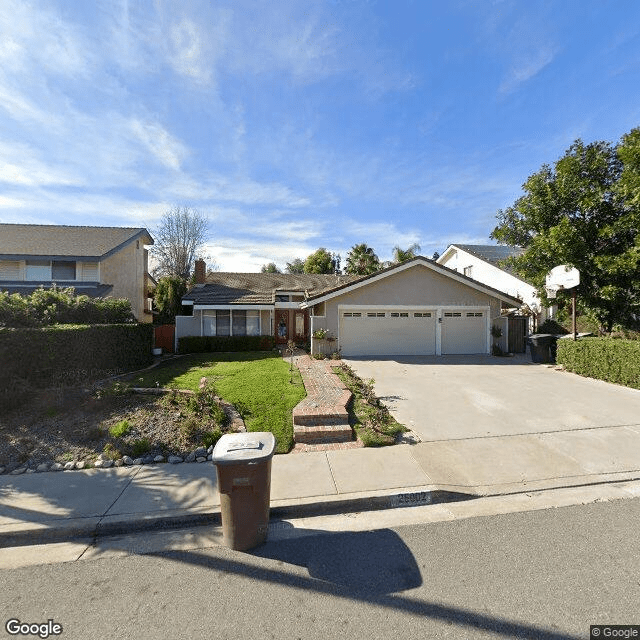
{"x":260,"y":288}
{"x":63,"y":240}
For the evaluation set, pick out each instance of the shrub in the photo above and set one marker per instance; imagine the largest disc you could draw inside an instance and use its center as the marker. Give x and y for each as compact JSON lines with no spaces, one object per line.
{"x":613,"y":360}
{"x":73,"y":354}
{"x":551,"y":326}
{"x":46,"y":307}
{"x":120,"y":429}
{"x":205,"y":344}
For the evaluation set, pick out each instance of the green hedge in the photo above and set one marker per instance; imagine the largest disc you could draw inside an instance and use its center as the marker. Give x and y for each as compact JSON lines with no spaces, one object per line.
{"x":72,"y":354}
{"x":607,"y":359}
{"x":205,"y":344}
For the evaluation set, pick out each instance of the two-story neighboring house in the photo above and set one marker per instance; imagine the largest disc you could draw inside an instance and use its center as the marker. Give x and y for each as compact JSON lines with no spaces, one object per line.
{"x":96,"y":261}
{"x":484,"y":264}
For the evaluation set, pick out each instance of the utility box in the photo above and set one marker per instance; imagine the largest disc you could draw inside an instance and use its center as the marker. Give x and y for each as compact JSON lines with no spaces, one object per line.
{"x":243,"y":464}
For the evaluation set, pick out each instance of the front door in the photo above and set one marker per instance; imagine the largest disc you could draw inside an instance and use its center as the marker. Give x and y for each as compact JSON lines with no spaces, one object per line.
{"x":282,"y":326}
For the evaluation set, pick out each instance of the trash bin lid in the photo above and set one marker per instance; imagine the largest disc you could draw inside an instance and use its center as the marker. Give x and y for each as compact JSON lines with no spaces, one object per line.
{"x":234,"y":448}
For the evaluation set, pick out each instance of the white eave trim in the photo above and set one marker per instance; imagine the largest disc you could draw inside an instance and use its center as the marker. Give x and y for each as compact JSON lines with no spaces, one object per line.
{"x":237,"y":307}
{"x":445,"y":271}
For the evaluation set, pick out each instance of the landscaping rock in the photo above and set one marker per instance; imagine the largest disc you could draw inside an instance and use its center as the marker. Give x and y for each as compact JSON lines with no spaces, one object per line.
{"x":103,"y":456}
{"x":201,"y":451}
{"x":210,"y":456}
{"x":174,"y":459}
{"x":191,"y":457}
{"x":69,"y":466}
{"x":30,"y":471}
{"x":1,"y":470}
{"x":210,"y":449}
{"x":119,"y":462}
{"x":159,"y":459}
{"x":56,"y":466}
{"x":103,"y":464}
{"x":201,"y":459}
{"x":81,"y":465}
{"x":17,"y":472}
{"x":137,"y":461}
{"x":148,"y":459}
{"x":42,"y":467}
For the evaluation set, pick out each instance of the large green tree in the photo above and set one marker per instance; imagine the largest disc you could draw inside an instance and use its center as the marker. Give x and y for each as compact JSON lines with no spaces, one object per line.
{"x":583,"y":211}
{"x":270,"y":268}
{"x":362,"y":260}
{"x":168,"y":298}
{"x":295,"y":266}
{"x":321,"y":261}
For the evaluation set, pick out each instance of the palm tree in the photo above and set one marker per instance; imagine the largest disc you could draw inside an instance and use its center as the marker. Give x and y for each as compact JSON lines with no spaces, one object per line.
{"x":362,"y":261}
{"x":402,"y":255}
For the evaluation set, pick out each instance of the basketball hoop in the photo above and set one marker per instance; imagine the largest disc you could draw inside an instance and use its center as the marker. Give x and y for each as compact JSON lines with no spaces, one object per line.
{"x":552,"y":292}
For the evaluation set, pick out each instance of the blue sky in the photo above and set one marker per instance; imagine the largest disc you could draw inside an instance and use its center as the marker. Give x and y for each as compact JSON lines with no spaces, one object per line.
{"x":296,"y":125}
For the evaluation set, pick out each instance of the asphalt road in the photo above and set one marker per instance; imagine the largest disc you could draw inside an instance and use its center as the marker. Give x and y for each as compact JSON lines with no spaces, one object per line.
{"x":542,"y":574}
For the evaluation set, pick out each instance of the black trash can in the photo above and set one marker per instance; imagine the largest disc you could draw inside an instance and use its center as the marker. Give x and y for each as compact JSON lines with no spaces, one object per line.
{"x":543,"y":347}
{"x":243,"y":464}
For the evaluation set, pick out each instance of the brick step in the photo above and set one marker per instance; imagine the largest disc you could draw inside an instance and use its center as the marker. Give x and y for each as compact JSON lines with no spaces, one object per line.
{"x":316,"y":417}
{"x":324,"y":434}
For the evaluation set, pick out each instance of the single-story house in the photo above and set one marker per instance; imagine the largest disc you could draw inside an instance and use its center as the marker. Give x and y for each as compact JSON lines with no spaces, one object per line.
{"x":96,"y":261}
{"x":485,"y":263}
{"x":414,"y":308}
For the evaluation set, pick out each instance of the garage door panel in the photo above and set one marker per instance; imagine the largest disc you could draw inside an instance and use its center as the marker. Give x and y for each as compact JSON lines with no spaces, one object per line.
{"x":464,"y":332}
{"x":389,"y":333}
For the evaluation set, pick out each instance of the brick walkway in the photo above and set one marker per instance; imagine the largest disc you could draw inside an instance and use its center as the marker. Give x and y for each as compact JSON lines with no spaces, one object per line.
{"x":321,"y":420}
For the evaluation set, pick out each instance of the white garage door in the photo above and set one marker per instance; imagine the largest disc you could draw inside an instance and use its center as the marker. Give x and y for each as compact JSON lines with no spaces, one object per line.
{"x":387,"y":333}
{"x":464,"y":332}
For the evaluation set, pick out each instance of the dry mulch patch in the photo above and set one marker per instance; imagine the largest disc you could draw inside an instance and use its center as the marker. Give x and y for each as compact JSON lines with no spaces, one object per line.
{"x":72,"y":424}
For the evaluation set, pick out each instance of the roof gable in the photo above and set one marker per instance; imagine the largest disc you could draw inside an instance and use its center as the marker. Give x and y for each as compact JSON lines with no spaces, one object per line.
{"x":490,"y":253}
{"x":419,"y":260}
{"x":66,"y":241}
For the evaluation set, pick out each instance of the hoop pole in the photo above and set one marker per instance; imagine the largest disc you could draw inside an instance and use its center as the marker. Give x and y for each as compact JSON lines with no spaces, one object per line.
{"x":573,"y":300}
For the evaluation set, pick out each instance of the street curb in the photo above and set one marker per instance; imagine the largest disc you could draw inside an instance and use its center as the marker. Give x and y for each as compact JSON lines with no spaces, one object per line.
{"x":95,"y":527}
{"x":104,"y":526}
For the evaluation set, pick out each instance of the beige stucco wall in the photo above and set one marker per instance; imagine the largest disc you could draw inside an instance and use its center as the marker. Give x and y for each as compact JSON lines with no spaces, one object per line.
{"x":415,"y":286}
{"x":125,"y":270}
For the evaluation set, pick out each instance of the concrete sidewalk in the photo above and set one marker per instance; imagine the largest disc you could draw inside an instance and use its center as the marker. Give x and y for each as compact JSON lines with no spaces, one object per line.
{"x":49,"y":507}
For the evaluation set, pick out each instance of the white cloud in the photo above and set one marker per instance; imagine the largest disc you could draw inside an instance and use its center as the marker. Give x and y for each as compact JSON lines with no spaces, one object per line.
{"x":526,"y":67}
{"x":169,"y":151}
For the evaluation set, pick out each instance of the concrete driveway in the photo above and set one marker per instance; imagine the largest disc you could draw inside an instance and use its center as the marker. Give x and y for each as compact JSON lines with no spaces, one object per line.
{"x":460,"y":397}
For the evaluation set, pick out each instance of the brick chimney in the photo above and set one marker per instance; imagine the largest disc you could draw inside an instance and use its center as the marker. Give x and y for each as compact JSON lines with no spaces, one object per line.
{"x":200,"y":271}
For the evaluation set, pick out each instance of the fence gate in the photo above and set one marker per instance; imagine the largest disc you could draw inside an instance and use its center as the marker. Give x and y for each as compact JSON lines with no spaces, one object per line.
{"x":164,"y":337}
{"x":518,"y":334}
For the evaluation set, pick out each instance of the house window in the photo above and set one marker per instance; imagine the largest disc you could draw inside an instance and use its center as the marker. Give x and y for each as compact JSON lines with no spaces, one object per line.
{"x":209,"y":323}
{"x":452,"y":314}
{"x":9,"y":270}
{"x":223,"y":322}
{"x":281,"y":297}
{"x":395,"y":314}
{"x":474,"y":315}
{"x":349,"y":314}
{"x":422,"y":314}
{"x":239,"y":323}
{"x":379,"y":314}
{"x":38,"y":270}
{"x":89,"y":271}
{"x":63,"y":270}
{"x":253,"y":323}
{"x":467,"y":271}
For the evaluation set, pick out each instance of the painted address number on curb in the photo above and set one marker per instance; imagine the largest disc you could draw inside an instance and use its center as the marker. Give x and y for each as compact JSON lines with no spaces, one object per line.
{"x":411,"y":499}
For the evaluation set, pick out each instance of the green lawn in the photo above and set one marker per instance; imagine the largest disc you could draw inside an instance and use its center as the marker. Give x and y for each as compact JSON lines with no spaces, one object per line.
{"x":257,"y":383}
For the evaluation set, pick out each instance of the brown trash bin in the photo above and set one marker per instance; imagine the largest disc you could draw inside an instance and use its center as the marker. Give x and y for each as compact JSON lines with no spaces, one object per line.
{"x":243,"y":464}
